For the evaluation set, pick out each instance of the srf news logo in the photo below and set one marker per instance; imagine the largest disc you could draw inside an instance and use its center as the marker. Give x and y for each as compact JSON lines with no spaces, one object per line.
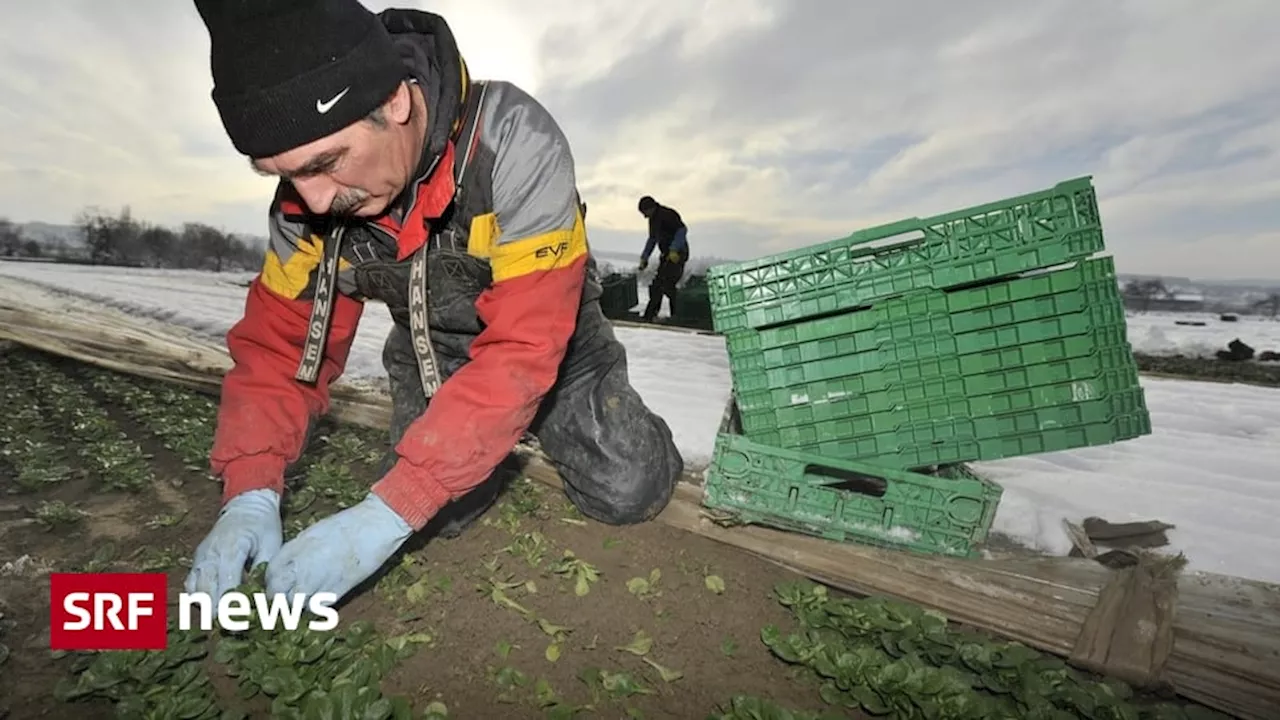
{"x":130,"y":611}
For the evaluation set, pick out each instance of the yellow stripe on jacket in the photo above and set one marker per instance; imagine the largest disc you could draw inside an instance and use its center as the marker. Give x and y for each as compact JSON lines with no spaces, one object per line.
{"x":547,"y":251}
{"x":290,"y":277}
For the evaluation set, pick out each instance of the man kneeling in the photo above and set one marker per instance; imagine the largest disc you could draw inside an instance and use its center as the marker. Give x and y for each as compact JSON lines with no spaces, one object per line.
{"x":453,"y":202}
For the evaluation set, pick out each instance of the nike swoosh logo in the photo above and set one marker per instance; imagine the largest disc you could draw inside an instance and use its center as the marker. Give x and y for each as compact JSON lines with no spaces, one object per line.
{"x":324,"y":107}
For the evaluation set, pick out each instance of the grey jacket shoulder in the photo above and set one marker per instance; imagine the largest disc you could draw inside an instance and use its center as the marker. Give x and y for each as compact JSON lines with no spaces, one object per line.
{"x":534,"y":184}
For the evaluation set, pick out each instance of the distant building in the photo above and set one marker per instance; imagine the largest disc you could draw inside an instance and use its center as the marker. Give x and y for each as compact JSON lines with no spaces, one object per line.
{"x":1174,"y":302}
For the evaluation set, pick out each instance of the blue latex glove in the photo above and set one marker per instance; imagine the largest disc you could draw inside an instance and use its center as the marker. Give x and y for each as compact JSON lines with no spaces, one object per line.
{"x":248,"y":529}
{"x":339,"y":552}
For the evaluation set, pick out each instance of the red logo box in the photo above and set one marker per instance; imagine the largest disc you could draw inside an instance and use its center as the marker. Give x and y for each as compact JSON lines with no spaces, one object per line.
{"x":108,"y":611}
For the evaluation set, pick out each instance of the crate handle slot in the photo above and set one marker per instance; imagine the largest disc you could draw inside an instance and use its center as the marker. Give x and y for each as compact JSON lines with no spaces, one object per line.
{"x":902,"y":232}
{"x":847,"y":480}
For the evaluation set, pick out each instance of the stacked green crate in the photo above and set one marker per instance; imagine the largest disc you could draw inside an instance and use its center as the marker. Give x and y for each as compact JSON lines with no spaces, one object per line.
{"x":846,"y":500}
{"x":619,"y":295}
{"x":692,"y":306}
{"x":937,"y":374}
{"x":990,"y":334}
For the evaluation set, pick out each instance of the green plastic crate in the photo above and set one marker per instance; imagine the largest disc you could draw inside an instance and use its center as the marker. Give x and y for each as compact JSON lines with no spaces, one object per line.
{"x":934,"y":421}
{"x":843,"y":500}
{"x":1069,"y":289}
{"x":692,"y":307}
{"x":619,"y":294}
{"x":961,"y":450}
{"x":1003,"y":347}
{"x":1000,"y":239}
{"x":943,"y":397}
{"x":961,"y":440}
{"x":1093,"y":304}
{"x":1043,"y":363}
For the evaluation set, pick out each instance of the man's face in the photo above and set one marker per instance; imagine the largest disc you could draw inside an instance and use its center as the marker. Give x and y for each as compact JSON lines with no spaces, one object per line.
{"x":356,"y":171}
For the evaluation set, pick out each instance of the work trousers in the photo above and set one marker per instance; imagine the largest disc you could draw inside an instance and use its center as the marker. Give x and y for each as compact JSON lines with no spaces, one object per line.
{"x":618,"y":460}
{"x":663,"y":285}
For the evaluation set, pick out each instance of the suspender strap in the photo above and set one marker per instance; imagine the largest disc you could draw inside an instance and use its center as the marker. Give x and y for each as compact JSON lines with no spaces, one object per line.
{"x":428,"y":367}
{"x":321,"y":310}
{"x":470,"y":130}
{"x":419,"y":288}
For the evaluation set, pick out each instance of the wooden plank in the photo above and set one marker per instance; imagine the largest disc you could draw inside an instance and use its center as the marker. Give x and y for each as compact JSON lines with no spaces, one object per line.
{"x":1129,"y":632}
{"x":662,"y":326}
{"x":1224,"y":642}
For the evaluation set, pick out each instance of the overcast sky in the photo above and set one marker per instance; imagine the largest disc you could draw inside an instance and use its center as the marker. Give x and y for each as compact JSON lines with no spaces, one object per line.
{"x":768,"y":124}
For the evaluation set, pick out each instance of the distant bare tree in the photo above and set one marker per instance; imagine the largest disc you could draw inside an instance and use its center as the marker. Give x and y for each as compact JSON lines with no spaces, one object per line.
{"x":112,"y":240}
{"x":159,"y":246}
{"x":207,"y":246}
{"x":1270,"y":305}
{"x":58,"y":247}
{"x":122,"y":240}
{"x":1143,"y":292}
{"x":10,"y":238}
{"x":93,"y":227}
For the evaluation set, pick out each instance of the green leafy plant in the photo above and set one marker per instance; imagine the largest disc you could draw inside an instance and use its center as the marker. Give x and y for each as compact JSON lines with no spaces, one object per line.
{"x":117,"y":461}
{"x":148,"y":684}
{"x":182,"y":420}
{"x":330,"y":477}
{"x":39,"y":463}
{"x":887,"y":657}
{"x":166,"y":520}
{"x":30,"y":439}
{"x":604,"y":684}
{"x":558,"y":634}
{"x":646,"y":587}
{"x":582,"y":573}
{"x":510,"y":682}
{"x":531,"y":546}
{"x":348,"y":447}
{"x":640,"y":644}
{"x":153,"y":559}
{"x":410,"y":583}
{"x":53,"y":514}
{"x":308,"y":673}
{"x":325,"y":479}
{"x":498,"y":591}
{"x":523,"y":499}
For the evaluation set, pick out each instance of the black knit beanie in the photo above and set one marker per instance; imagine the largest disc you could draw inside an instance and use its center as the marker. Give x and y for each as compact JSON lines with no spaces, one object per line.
{"x":289,"y":72}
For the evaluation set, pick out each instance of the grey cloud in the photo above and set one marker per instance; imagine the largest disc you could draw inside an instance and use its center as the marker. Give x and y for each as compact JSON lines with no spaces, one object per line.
{"x":884,"y":112}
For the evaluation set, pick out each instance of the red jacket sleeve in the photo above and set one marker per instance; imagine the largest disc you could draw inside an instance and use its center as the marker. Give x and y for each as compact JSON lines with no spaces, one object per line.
{"x":529,"y":313}
{"x":264,"y":413}
{"x":479,"y":414}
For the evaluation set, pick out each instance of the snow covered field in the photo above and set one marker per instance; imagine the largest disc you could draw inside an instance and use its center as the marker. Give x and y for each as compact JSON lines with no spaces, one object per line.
{"x":1211,"y":466}
{"x":1158,"y":333}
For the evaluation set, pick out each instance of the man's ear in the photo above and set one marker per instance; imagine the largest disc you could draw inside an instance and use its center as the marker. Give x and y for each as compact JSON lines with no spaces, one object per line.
{"x":399,"y":107}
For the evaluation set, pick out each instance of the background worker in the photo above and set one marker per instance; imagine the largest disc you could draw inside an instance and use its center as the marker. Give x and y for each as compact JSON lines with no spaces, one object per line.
{"x":669,"y":234}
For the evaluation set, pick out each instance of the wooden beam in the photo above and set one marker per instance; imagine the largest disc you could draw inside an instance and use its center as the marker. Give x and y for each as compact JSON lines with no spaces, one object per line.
{"x":1129,"y":632}
{"x":663,"y":326}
